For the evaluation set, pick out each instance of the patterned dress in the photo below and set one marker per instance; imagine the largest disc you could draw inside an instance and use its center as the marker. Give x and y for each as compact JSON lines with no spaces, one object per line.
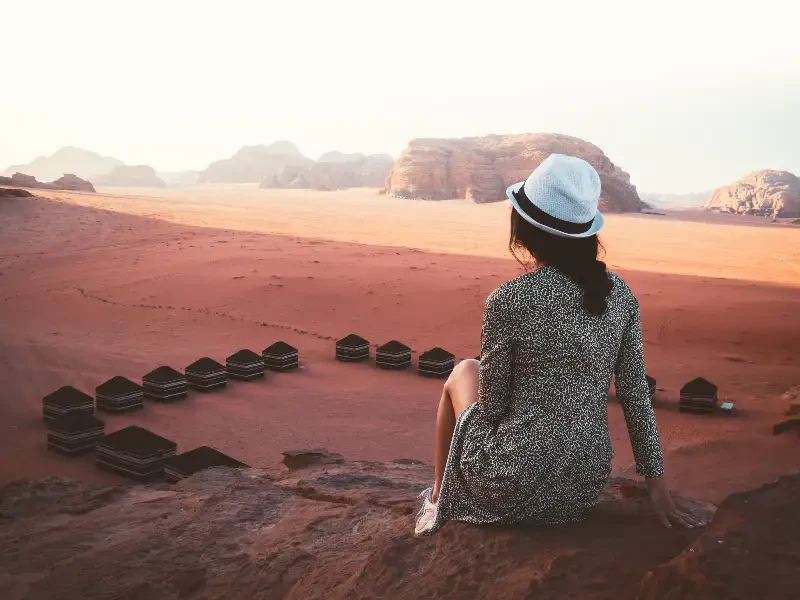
{"x":536,"y":447}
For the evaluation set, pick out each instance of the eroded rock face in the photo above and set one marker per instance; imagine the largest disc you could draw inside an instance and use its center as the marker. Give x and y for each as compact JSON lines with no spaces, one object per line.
{"x":131,"y":176}
{"x":763,"y":193}
{"x":344,"y":530}
{"x":482,"y":168}
{"x":334,"y":171}
{"x":252,"y":164}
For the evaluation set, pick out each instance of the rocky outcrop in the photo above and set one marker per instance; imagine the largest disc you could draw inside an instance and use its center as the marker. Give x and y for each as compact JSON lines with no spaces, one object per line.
{"x":66,"y":182}
{"x":334,"y":171}
{"x":338,"y":529}
{"x":252,"y":164}
{"x":763,"y":193}
{"x":83,"y":163}
{"x":481,"y":168}
{"x":131,"y":176}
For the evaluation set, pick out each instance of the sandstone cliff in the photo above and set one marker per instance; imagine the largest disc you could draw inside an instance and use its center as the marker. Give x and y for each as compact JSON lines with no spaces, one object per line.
{"x":334,"y":171}
{"x":131,"y":176}
{"x":482,"y":168}
{"x":343,"y":530}
{"x":251,"y":164}
{"x":82,"y":163}
{"x":763,"y":193}
{"x":65,"y":182}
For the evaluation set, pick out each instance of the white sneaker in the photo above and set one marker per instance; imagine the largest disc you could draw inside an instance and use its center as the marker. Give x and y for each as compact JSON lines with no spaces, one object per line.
{"x":426,"y":516}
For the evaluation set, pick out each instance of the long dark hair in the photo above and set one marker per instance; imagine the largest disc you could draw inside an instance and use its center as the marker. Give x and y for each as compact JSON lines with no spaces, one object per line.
{"x":577,"y":258}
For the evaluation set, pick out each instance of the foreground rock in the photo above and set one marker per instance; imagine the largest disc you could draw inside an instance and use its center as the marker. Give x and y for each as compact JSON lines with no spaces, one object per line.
{"x":334,"y":171}
{"x":131,"y":176}
{"x":763,"y":193}
{"x":751,"y":550}
{"x":68,"y":182}
{"x":481,"y":168}
{"x":253,"y":164}
{"x":83,"y":163}
{"x":343,"y":530}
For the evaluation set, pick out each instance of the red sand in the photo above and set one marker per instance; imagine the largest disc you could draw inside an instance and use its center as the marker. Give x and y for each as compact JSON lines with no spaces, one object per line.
{"x":89,"y":293}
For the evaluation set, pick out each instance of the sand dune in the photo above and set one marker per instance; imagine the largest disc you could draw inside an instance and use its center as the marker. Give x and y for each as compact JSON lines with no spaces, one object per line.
{"x":95,"y":286}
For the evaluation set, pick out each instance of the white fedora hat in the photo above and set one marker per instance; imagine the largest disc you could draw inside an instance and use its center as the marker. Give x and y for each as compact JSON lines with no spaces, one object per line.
{"x":560,"y":197}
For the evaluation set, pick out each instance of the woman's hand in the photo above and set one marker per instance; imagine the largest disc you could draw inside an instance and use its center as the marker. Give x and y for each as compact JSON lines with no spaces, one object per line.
{"x":664,"y":508}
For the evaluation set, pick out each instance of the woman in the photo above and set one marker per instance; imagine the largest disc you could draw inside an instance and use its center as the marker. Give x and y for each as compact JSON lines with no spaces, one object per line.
{"x":522,"y":435}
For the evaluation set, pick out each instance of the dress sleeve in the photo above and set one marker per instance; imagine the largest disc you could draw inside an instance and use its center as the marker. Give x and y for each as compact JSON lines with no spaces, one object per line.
{"x":495,"y":372}
{"x":632,"y":392}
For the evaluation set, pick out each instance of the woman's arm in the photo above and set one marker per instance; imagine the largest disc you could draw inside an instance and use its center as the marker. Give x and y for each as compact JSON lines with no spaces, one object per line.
{"x":633,"y":394}
{"x":640,"y":418}
{"x":495,"y":372}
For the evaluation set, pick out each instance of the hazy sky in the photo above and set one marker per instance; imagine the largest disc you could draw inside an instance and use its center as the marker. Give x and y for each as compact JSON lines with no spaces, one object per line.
{"x":685,"y":97}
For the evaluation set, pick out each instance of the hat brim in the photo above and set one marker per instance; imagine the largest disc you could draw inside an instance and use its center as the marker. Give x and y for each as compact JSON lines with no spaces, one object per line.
{"x":597,"y":223}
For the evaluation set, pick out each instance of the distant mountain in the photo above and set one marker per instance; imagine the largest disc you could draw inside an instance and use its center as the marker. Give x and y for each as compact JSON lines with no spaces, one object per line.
{"x":694,"y":200}
{"x":179,"y":178}
{"x":131,"y":176}
{"x":341,"y":157}
{"x":252,"y":164}
{"x":83,"y":163}
{"x":334,"y":171}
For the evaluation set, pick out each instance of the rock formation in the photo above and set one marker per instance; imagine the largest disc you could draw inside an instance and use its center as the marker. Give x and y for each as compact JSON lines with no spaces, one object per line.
{"x":334,"y":171}
{"x":252,"y":164}
{"x":763,"y":193}
{"x":338,"y":529}
{"x":83,"y":163}
{"x":66,"y":182}
{"x":71,"y":182}
{"x":482,"y":168}
{"x":131,"y":176}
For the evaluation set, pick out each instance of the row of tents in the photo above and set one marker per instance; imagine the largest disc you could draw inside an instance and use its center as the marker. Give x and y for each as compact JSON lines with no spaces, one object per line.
{"x":73,"y":427}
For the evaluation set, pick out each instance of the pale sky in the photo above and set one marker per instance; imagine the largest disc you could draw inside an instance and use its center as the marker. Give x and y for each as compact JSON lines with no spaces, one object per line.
{"x":684,"y":95}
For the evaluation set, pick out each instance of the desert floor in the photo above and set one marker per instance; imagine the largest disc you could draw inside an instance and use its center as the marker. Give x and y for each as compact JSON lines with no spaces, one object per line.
{"x":119,"y":282}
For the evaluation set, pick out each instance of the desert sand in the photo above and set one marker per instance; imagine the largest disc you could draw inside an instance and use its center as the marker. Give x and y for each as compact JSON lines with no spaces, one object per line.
{"x":96,"y":285}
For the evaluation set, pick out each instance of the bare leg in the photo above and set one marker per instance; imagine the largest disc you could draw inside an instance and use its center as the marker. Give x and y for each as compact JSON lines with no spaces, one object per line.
{"x":460,"y":390}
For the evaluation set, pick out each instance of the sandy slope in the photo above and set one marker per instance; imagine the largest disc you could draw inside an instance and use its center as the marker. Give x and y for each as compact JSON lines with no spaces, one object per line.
{"x":89,"y":293}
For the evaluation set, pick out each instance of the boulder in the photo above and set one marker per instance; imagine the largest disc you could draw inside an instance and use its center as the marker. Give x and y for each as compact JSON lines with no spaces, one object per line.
{"x":344,"y":530}
{"x":481,"y":168}
{"x":253,"y":164}
{"x":334,"y":171}
{"x":300,"y":459}
{"x":763,"y":193}
{"x":131,"y":176}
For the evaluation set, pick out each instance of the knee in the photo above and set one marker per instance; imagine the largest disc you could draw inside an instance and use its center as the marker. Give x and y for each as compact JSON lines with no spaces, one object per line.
{"x":466,"y":369}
